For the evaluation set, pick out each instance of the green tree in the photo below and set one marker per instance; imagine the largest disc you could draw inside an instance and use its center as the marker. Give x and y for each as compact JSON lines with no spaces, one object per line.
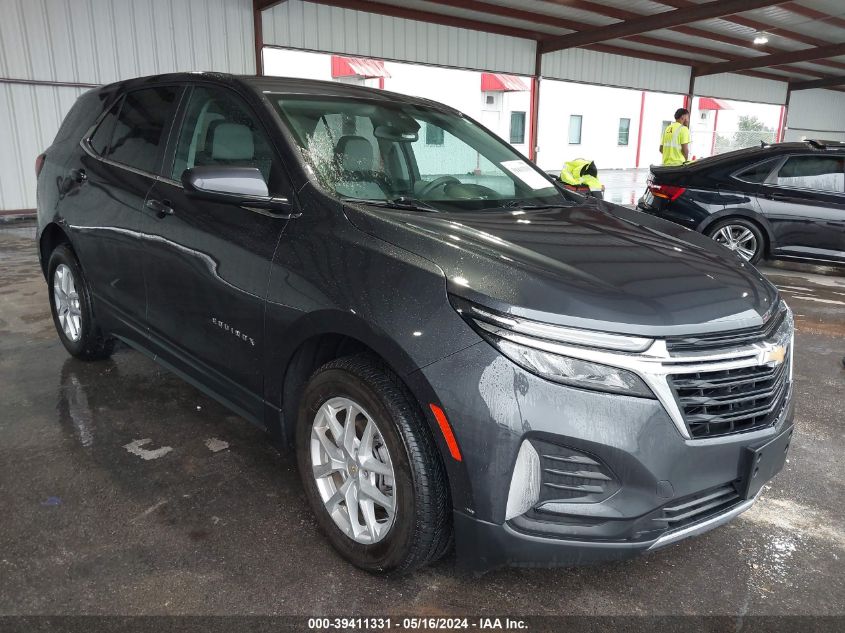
{"x":750,"y":131}
{"x":750,"y":123}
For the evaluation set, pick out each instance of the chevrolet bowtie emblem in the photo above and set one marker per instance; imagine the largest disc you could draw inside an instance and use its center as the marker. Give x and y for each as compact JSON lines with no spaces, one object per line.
{"x":775,"y":356}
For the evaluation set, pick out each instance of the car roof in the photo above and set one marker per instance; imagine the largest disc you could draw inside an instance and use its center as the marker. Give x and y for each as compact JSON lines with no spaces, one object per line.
{"x":284,"y":85}
{"x":749,"y":155}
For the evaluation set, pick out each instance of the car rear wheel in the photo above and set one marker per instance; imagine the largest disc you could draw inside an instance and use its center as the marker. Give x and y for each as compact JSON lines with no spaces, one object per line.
{"x":740,"y":235}
{"x":370,"y":469}
{"x":70,"y":303}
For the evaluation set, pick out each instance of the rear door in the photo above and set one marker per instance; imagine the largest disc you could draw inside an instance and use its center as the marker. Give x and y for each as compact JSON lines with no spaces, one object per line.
{"x":804,"y":201}
{"x":207,"y":263}
{"x":103,"y":193}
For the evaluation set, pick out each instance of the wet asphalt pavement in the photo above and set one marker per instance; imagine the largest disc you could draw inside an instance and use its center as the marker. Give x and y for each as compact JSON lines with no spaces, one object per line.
{"x":124,"y":490}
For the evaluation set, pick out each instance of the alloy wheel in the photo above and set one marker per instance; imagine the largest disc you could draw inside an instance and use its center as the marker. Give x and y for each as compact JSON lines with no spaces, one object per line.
{"x":353,"y":470}
{"x":737,"y":238}
{"x":66,"y":299}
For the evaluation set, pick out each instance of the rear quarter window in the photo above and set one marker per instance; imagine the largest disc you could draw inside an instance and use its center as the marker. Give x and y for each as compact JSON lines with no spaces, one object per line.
{"x":758,"y":173}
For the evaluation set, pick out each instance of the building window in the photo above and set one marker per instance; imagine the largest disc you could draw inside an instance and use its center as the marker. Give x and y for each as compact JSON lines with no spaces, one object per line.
{"x":575,"y":129}
{"x":491,"y":99}
{"x":517,"y":128}
{"x":624,"y":129}
{"x":433,"y":134}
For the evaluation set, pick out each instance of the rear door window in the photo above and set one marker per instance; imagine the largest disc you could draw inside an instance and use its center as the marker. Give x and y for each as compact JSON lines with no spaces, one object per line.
{"x":821,"y":173}
{"x":141,"y":127}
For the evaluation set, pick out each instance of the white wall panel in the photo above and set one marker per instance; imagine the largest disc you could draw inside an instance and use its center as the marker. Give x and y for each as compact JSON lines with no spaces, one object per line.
{"x":98,"y":42}
{"x":816,"y":114}
{"x":309,"y":26}
{"x":741,"y":88}
{"x":29,"y":119}
{"x":798,"y":134}
{"x":101,"y":41}
{"x":578,"y":64}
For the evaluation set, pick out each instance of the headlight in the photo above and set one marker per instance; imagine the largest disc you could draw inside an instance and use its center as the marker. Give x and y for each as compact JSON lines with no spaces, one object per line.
{"x":573,"y":371}
{"x":532,"y":345}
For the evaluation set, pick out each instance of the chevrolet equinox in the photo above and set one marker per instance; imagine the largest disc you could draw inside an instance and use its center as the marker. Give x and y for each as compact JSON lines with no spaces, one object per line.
{"x":456,"y":349}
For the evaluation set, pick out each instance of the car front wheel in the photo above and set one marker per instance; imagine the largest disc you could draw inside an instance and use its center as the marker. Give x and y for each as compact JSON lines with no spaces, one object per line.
{"x":370,"y":469}
{"x":741,"y":236}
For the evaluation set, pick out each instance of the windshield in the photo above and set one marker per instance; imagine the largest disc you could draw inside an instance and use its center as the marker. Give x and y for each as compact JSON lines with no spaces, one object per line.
{"x":410,"y":155}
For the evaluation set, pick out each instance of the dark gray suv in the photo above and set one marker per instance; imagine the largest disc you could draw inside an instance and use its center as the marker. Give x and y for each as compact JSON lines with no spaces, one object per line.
{"x":455,"y":349}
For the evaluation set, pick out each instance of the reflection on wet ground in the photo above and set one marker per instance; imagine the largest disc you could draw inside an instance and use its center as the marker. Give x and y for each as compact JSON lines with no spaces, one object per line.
{"x":125,"y":490}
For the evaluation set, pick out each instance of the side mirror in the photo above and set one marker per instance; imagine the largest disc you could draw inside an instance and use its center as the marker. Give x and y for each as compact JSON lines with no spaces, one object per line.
{"x":242,"y":186}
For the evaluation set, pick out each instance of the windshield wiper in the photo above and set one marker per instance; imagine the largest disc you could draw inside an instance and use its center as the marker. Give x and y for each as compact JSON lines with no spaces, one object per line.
{"x":396,"y":203}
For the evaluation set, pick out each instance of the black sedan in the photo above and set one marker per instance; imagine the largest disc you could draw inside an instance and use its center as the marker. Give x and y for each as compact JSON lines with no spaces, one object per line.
{"x":785,"y":200}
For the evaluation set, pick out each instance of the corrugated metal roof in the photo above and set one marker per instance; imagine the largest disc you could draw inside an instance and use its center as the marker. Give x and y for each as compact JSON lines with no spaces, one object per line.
{"x":741,"y":88}
{"x":586,"y":66}
{"x":790,"y":26}
{"x":310,"y":26}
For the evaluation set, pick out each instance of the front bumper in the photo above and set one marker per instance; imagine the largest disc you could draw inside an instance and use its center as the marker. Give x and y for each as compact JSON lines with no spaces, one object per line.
{"x":483,"y":545}
{"x":651,"y":474}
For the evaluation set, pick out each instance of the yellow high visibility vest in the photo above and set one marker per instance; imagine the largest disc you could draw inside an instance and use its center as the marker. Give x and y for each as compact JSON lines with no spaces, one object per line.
{"x":571,"y":174}
{"x":674,"y":136}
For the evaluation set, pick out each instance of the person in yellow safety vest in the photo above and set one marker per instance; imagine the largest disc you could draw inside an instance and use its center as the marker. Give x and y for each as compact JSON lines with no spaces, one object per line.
{"x":581,"y":173}
{"x":675,"y":143}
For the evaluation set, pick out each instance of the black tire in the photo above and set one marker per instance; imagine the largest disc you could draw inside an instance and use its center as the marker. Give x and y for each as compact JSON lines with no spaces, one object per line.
{"x":91,"y":343}
{"x":714,"y":232}
{"x":421,"y":531}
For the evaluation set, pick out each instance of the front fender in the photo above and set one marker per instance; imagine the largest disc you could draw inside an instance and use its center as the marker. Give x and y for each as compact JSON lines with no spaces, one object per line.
{"x":334,"y":322}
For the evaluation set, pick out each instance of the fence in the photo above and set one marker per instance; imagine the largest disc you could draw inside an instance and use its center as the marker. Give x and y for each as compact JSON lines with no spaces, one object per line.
{"x":711,"y":143}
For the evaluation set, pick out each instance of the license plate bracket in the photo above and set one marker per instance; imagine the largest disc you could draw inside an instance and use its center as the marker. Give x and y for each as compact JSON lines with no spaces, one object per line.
{"x":764,"y":462}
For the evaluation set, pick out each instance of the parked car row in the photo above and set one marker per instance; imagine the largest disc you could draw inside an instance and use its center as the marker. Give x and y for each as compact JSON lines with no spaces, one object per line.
{"x":456,"y":348}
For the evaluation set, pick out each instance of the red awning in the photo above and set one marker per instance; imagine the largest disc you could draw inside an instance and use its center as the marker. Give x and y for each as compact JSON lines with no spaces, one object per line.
{"x":358,"y":67}
{"x":494,"y":82}
{"x":706,"y":103}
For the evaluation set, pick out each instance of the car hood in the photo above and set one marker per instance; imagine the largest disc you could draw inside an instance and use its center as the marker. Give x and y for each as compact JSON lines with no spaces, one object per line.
{"x":595,"y":265}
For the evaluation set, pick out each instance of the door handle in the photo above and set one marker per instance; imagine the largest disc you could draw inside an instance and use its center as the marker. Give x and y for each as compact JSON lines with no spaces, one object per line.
{"x":78,"y":175}
{"x":161,"y":207}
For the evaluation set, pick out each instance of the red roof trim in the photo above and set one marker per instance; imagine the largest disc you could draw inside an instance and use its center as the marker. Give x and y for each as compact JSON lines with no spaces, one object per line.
{"x":358,"y":67}
{"x":707,"y":103}
{"x":496,"y":82}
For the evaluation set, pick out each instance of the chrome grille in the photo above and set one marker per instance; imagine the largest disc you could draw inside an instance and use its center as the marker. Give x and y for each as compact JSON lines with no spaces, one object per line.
{"x":729,"y":401}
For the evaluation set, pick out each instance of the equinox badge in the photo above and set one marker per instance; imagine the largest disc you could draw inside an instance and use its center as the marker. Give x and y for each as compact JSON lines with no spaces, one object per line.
{"x":228,"y":328}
